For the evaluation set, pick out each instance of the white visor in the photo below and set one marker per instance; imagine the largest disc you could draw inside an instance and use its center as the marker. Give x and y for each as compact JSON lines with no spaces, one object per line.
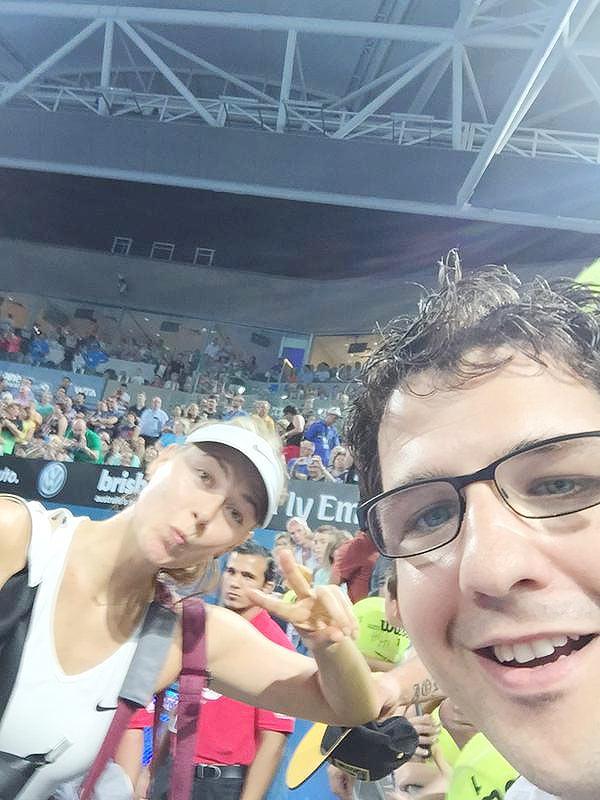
{"x":256,"y":449}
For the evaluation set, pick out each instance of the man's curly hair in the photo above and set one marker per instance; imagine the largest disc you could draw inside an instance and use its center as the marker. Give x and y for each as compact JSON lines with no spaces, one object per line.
{"x":477,"y":314}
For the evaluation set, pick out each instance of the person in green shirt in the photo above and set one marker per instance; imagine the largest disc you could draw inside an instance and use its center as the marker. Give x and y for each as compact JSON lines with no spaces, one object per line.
{"x":10,"y":428}
{"x":84,"y":443}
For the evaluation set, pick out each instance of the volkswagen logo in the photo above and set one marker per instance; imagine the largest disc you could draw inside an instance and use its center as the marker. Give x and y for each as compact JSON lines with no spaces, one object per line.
{"x":51,"y":479}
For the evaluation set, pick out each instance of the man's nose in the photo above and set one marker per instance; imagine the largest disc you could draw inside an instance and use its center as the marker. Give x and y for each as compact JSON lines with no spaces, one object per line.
{"x":500,"y":550}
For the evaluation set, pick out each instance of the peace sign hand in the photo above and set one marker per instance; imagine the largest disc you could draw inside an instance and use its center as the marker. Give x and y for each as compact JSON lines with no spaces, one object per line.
{"x":322,"y":615}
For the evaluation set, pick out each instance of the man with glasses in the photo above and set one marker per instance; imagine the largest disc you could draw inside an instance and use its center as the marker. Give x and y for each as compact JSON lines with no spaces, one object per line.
{"x":477,"y":440}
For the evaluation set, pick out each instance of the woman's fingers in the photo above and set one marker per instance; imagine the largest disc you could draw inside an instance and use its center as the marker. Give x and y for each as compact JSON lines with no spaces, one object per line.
{"x":272,"y":603}
{"x":293,"y":576}
{"x":332,"y":600}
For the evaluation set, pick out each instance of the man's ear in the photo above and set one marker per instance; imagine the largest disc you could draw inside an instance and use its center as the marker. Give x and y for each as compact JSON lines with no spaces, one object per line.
{"x":268,"y":587}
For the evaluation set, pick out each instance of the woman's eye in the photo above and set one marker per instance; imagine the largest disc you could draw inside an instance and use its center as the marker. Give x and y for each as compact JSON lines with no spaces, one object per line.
{"x":204,"y":476}
{"x":236,"y":515}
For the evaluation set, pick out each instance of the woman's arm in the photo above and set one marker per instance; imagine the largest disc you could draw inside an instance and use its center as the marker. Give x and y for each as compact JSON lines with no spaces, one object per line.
{"x":335,"y":687}
{"x":15,"y":525}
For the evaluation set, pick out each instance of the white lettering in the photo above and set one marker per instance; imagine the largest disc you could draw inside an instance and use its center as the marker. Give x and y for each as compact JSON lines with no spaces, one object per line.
{"x":8,"y":476}
{"x":302,"y":510}
{"x":86,"y":390}
{"x":122,"y":484}
{"x":289,"y":509}
{"x":327,"y":507}
{"x":346,"y":512}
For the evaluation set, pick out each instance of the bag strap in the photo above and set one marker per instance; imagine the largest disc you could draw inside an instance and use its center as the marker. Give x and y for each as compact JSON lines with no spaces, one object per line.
{"x":192,"y":680}
{"x":138,"y":687}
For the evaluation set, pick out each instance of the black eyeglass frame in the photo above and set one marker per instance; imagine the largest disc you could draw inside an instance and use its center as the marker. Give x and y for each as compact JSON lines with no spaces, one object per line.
{"x":460,"y":482}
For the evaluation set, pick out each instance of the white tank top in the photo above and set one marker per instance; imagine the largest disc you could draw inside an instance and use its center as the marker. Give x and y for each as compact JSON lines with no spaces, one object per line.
{"x":47,"y":706}
{"x":523,"y":790}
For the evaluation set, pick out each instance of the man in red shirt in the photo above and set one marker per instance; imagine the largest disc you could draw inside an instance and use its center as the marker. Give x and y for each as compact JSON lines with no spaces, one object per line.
{"x":238,"y":747}
{"x":353,"y":564}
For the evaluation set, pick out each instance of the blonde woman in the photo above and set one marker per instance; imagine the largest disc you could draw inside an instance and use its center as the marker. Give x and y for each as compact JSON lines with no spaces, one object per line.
{"x":95,"y":580}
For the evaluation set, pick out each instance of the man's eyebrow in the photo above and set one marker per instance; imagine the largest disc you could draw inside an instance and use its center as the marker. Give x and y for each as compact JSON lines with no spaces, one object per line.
{"x":436,"y":473}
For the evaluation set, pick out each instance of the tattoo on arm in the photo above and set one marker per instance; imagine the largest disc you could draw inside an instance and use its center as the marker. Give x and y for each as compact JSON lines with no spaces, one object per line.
{"x":423,"y":691}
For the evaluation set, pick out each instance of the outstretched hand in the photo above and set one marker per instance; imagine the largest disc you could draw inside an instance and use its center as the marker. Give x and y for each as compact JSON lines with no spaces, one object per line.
{"x":322,"y":615}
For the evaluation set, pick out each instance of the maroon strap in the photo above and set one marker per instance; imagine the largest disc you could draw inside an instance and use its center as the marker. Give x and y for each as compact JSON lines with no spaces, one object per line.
{"x":191,"y":683}
{"x":120,"y":721}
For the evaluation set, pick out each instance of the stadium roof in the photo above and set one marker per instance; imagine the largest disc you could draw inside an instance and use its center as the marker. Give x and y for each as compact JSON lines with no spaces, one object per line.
{"x":480,"y":110}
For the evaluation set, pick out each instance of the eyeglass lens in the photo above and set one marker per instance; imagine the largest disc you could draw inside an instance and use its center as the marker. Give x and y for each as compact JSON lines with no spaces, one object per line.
{"x":548,"y":481}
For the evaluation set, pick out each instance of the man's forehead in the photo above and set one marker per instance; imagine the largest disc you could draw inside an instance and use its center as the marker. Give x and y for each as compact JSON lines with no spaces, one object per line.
{"x":246,"y":562}
{"x":430,"y":426}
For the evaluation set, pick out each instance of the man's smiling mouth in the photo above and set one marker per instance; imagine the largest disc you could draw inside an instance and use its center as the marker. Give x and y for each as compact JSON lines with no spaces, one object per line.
{"x":536,"y":652}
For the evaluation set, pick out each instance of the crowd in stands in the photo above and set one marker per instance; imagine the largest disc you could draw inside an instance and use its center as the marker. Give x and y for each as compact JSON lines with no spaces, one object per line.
{"x":61,"y":348}
{"x":129,"y":430}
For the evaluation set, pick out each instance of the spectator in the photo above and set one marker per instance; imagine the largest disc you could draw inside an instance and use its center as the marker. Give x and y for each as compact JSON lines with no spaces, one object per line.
{"x":45,"y":407}
{"x":177,"y":436}
{"x":353,"y":564}
{"x":236,"y":408}
{"x":38,"y":348}
{"x":302,"y":536}
{"x":150,"y":453}
{"x":13,"y":346}
{"x":84,"y":443}
{"x":128,"y":427}
{"x":152,"y":421}
{"x":325,"y":543}
{"x":11,"y":427}
{"x":25,"y":394}
{"x":193,"y":414}
{"x":55,"y":424}
{"x":30,"y":421}
{"x":261,"y":412}
{"x":294,"y":432}
{"x":324,"y":434}
{"x":67,"y":409}
{"x":246,"y":742}
{"x":103,"y":419}
{"x":316,"y":470}
{"x":337,"y":469}
{"x":66,"y":384}
{"x":78,"y":362}
{"x":140,"y":404}
{"x":298,"y":467}
{"x":211,"y":408}
{"x":79,"y":403}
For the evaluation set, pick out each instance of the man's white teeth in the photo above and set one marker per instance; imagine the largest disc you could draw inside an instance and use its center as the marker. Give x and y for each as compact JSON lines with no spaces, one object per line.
{"x":528,"y":651}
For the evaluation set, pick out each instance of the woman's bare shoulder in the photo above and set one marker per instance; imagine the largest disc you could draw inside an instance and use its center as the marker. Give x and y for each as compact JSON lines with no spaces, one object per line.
{"x":15,"y":526}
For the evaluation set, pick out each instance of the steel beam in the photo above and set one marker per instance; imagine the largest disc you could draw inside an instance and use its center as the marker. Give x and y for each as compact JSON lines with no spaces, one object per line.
{"x":286,"y":80}
{"x":430,"y":84}
{"x":457,"y":95}
{"x":381,"y":99}
{"x":356,"y":201}
{"x":368,"y":87}
{"x":474,"y":86}
{"x":375,"y":51}
{"x":259,"y":22}
{"x":533,"y":94}
{"x":579,"y":23}
{"x":49,"y":62}
{"x":105,"y":71}
{"x":586,"y":76}
{"x":160,"y":65}
{"x":516,"y":99}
